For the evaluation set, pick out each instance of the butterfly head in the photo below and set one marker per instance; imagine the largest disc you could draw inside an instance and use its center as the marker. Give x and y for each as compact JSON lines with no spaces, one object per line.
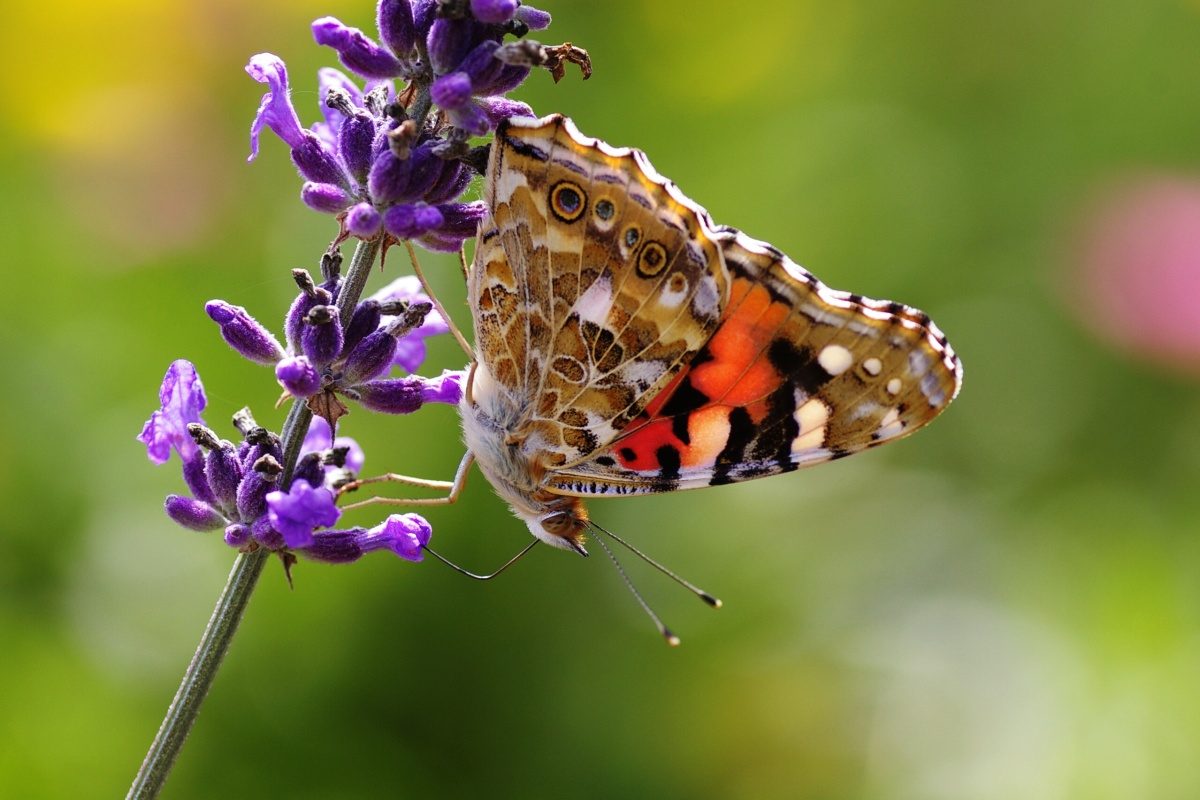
{"x":559,"y":522}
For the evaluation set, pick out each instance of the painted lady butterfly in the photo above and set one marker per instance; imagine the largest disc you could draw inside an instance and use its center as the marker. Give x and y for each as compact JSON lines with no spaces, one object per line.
{"x":625,"y":344}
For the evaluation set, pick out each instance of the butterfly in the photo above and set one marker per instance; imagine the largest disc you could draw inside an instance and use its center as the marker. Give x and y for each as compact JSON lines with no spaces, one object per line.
{"x":625,"y":344}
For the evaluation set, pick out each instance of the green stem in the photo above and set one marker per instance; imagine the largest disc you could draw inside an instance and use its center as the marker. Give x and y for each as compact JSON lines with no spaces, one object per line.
{"x":202,"y":671}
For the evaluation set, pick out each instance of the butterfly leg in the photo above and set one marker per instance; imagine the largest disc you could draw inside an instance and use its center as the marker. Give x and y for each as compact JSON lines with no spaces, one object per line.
{"x":458,"y":337}
{"x":454,"y":488}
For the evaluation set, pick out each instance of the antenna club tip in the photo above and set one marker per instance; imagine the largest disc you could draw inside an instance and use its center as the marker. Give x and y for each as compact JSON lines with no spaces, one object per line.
{"x":671,"y":638}
{"x":715,"y":602}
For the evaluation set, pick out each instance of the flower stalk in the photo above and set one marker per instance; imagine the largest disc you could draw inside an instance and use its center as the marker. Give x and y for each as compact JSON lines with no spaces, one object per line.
{"x":227,"y":616}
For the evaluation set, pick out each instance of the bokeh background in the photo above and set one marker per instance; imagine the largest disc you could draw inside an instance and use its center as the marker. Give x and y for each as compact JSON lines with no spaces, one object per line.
{"x":1004,"y":606}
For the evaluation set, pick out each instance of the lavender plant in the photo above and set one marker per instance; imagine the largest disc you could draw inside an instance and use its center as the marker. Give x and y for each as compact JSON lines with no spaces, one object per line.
{"x":391,"y":160}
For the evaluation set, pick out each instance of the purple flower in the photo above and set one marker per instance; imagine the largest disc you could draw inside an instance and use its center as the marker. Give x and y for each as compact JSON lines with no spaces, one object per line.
{"x":403,"y":534}
{"x":276,"y":111}
{"x":296,"y":512}
{"x":298,"y":376}
{"x":494,"y":11}
{"x":182,"y":398}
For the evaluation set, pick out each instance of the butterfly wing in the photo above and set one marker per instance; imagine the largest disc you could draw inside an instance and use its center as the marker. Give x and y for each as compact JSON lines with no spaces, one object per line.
{"x":796,"y":374}
{"x":595,"y":283}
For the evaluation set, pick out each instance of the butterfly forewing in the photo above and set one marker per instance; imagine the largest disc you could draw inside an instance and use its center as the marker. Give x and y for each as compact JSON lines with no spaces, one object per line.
{"x":593,"y":285}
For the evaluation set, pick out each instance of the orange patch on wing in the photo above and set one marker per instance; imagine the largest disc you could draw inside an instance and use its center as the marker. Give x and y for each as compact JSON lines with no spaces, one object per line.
{"x":740,"y":371}
{"x":708,"y":430}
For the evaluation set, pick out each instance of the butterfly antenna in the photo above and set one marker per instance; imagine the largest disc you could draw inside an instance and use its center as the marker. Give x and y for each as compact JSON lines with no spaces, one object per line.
{"x":691,"y":587}
{"x":457,"y":568}
{"x":462,"y":342}
{"x":671,"y":638}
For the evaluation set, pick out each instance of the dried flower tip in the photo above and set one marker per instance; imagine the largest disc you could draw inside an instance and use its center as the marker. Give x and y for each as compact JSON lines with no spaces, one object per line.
{"x":203,"y":435}
{"x":331,"y":264}
{"x":400,"y":139}
{"x":409,"y":320}
{"x":268,"y":467}
{"x":554,"y":58}
{"x":244,"y":421}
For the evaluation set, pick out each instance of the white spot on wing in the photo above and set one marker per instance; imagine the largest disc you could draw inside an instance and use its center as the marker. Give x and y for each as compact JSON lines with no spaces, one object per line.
{"x":595,"y":303}
{"x":893,"y":386}
{"x":873,"y":366}
{"x":835,"y":359}
{"x":890,"y":426}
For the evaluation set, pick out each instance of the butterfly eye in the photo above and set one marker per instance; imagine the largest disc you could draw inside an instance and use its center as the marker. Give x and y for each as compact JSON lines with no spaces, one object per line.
{"x":560,"y":523}
{"x":651,"y":260}
{"x":604,"y":210}
{"x":567,"y":201}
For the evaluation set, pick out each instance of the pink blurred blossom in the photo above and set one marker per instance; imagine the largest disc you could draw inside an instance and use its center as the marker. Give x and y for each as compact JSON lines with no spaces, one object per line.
{"x":1137,"y":280}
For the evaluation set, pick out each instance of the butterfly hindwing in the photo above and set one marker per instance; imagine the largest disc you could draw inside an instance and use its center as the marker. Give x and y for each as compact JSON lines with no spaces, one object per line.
{"x":796,"y":374}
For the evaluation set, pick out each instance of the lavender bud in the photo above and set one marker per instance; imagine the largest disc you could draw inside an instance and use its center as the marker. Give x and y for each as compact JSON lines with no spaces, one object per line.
{"x":481,"y":65}
{"x":244,"y":333}
{"x":298,"y":376}
{"x":495,"y":12}
{"x":450,"y":40}
{"x":237,"y":534}
{"x":355,"y":141}
{"x":451,"y":91}
{"x":452,"y":182}
{"x":310,"y":469}
{"x":321,"y":336}
{"x":392,"y":395}
{"x":363,"y":220}
{"x":356,"y":51}
{"x":266,"y":535}
{"x":372,"y":358}
{"x":471,"y":118}
{"x":499,"y":109}
{"x":411,"y":221}
{"x":325,"y":197}
{"x":192,"y":514}
{"x":363,"y":321}
{"x":315,"y":162}
{"x":224,"y":472}
{"x":396,"y":26}
{"x":509,"y":77}
{"x":534,"y":19}
{"x":252,"y":494}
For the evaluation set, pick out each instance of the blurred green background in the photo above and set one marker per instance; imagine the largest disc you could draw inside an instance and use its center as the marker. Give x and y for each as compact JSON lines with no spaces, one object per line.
{"x":1004,"y":606}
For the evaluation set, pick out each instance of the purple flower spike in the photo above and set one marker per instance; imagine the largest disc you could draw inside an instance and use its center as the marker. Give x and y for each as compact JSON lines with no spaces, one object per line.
{"x":451,"y":91}
{"x":295,"y":513}
{"x":244,"y":333}
{"x":325,"y":197}
{"x":494,"y":11}
{"x":396,"y":26}
{"x":410,"y":221}
{"x":276,"y":111}
{"x":535,"y":19}
{"x":298,"y":376}
{"x":361,"y":55}
{"x":182,"y":398}
{"x":193,"y":514}
{"x":363,"y":220}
